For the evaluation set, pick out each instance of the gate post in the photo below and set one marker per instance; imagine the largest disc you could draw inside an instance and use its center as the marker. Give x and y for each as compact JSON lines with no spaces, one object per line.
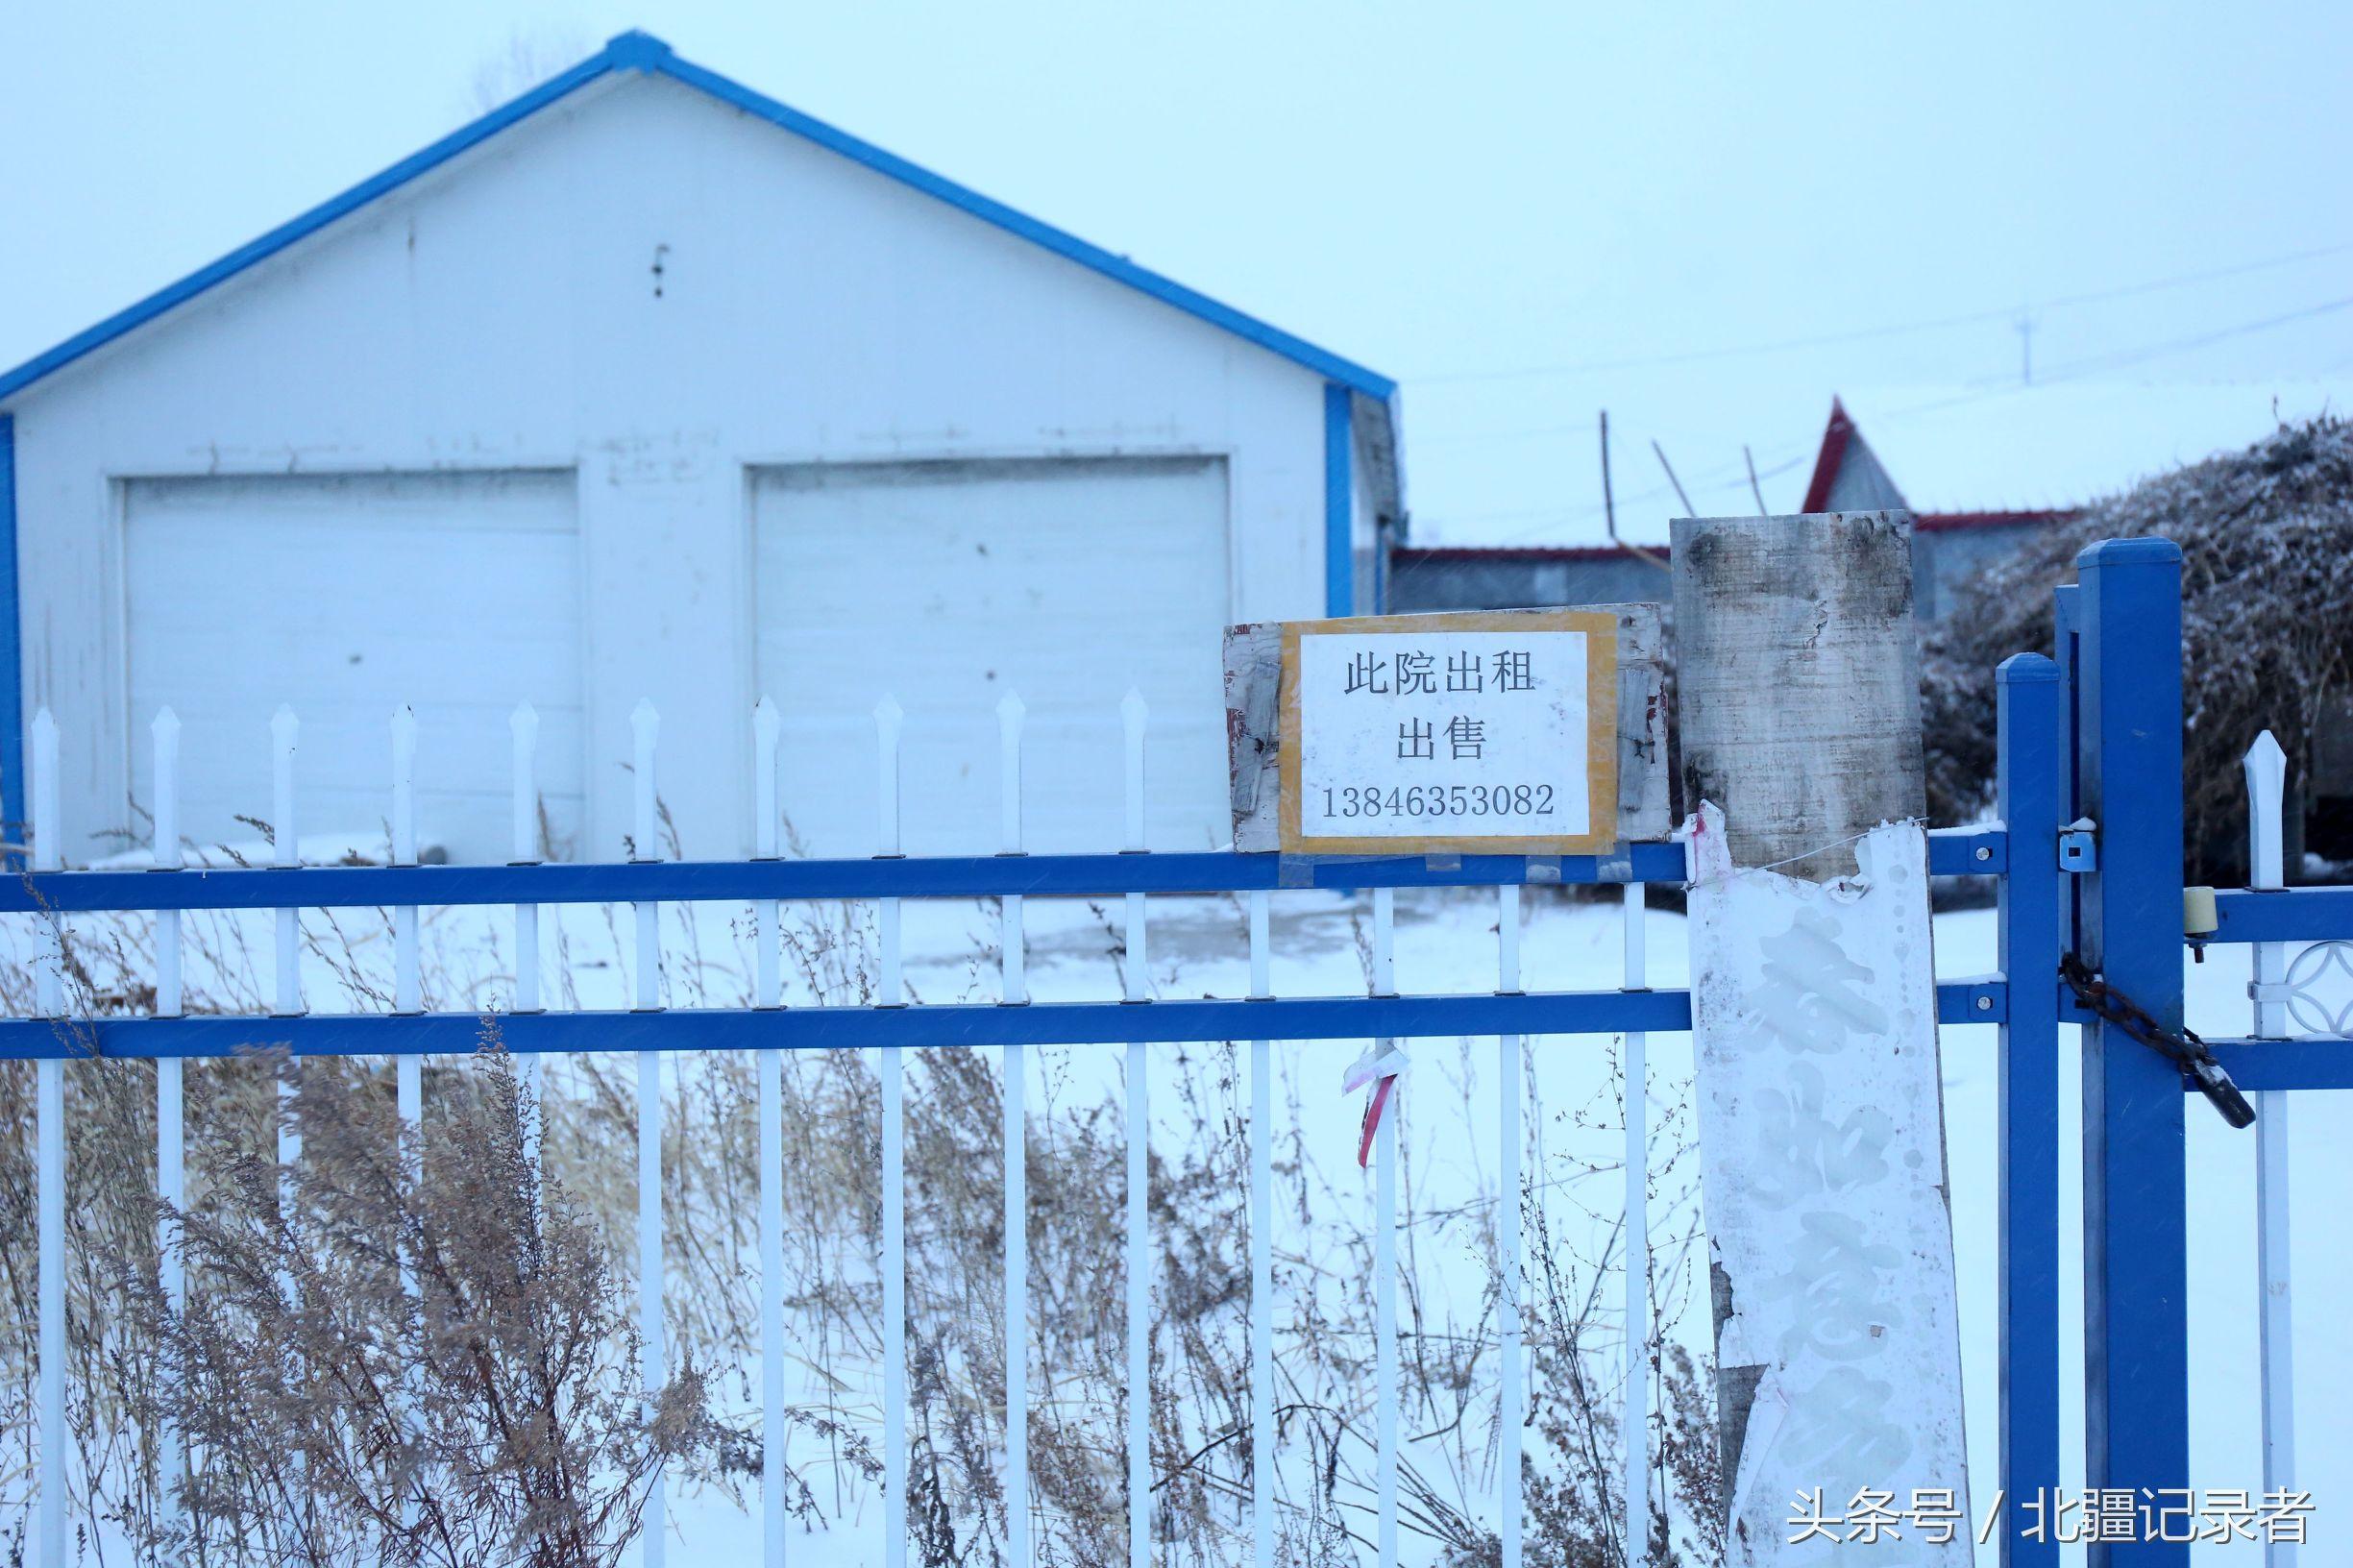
{"x":2136,"y":1267}
{"x":2032,"y":777}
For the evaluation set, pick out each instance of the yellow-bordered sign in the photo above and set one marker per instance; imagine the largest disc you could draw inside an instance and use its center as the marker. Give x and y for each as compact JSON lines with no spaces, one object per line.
{"x":1483,"y":732}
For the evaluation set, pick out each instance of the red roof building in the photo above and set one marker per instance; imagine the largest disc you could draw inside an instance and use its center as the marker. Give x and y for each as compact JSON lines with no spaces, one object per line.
{"x":1947,"y":547}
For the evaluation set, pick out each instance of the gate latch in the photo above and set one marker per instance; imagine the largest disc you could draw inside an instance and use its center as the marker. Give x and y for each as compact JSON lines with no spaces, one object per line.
{"x":2079,"y":846}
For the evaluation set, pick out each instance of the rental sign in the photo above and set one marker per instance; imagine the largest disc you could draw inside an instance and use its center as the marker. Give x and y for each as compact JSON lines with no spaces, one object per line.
{"x":1488,"y":731}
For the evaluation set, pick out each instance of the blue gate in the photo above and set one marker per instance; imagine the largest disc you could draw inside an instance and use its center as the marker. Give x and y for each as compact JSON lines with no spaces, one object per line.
{"x":2096,"y":734}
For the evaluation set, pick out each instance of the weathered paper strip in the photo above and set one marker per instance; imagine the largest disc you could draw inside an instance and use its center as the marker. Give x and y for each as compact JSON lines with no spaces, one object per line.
{"x":1823,"y":1183}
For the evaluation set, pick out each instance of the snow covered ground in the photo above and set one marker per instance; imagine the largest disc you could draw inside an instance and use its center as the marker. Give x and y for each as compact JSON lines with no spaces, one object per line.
{"x":1447,"y":942}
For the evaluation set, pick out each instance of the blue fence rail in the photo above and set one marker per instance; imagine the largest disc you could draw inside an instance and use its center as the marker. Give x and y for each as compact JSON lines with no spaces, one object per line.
{"x":1973,"y":1000}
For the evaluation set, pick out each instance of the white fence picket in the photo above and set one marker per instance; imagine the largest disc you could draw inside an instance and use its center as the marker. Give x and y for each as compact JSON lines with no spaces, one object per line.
{"x":522,"y":725}
{"x":407,"y":994}
{"x":285,"y":731}
{"x":767,"y":731}
{"x":1638,"y":1297}
{"x":164,"y":732}
{"x":1009,"y":714}
{"x":2266,"y":767}
{"x":407,"y":980}
{"x":766,"y":726}
{"x":1262,"y":1255}
{"x":894,"y":993}
{"x":49,"y":1135}
{"x":1384,"y":1246}
{"x":645,"y":726}
{"x":171,"y":1146}
{"x":1510,"y":1394}
{"x":49,"y":1111}
{"x":1132,"y":718}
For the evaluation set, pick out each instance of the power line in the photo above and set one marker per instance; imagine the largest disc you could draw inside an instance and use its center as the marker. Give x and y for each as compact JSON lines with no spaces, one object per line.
{"x":1862,"y":335}
{"x":1727,"y":476}
{"x":1714,"y":479}
{"x":2182,"y":344}
{"x":2077,"y":369}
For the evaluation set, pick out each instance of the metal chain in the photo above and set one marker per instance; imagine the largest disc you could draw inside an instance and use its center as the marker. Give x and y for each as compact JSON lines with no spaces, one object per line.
{"x":2184,"y":1049}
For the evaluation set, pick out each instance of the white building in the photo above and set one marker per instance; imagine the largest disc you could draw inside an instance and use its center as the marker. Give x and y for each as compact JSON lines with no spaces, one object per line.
{"x":648,"y":386}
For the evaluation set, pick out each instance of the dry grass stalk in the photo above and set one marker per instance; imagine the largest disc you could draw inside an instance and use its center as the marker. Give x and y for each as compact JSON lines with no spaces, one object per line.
{"x":492,"y":1414}
{"x":832,"y":1292}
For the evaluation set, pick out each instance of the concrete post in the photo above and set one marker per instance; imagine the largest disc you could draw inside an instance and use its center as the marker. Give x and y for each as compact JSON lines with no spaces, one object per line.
{"x":1823,"y":1167}
{"x":1798,"y":671}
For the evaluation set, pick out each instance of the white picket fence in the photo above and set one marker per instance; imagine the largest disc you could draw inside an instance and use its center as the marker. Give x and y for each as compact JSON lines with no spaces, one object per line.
{"x":47,"y":838}
{"x":2274,"y":991}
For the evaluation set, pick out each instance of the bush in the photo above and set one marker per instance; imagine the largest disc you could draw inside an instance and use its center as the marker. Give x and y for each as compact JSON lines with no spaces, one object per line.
{"x":2267,"y":543}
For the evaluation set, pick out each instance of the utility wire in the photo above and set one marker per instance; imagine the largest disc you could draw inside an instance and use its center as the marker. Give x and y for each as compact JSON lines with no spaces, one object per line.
{"x":2074,"y":370}
{"x":1862,"y":335}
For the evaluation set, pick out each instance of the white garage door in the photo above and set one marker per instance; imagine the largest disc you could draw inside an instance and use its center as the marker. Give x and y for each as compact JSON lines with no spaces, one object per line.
{"x":345,"y":597}
{"x":949,"y":584}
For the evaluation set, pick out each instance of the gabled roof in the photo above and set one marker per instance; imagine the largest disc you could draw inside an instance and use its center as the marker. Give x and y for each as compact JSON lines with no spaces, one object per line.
{"x":644,"y":54}
{"x":1829,"y":459}
{"x":2055,"y":447}
{"x":1848,"y":476}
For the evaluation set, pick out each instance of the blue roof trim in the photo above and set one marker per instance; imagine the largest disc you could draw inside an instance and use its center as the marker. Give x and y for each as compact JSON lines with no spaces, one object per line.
{"x":308,"y":224}
{"x":642,"y":52}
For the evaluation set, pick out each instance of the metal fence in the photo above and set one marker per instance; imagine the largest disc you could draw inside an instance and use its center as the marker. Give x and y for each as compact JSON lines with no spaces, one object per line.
{"x":2088,"y":856}
{"x":766,"y":882}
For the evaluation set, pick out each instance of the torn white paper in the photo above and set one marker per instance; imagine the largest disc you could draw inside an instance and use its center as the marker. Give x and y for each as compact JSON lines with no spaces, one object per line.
{"x":1822,"y":1181}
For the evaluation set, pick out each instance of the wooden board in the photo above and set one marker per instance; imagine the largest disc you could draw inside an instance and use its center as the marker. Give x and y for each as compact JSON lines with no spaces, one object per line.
{"x":1254,"y":729}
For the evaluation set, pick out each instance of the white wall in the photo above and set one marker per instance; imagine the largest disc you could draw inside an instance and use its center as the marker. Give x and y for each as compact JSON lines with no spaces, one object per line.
{"x":500,"y":314}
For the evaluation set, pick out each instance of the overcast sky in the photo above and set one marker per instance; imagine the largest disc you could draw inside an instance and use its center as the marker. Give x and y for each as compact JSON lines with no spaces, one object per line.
{"x":1518,"y":211}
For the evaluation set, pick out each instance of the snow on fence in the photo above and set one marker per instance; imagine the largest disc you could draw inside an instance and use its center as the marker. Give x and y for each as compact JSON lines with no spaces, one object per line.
{"x":529,"y":885}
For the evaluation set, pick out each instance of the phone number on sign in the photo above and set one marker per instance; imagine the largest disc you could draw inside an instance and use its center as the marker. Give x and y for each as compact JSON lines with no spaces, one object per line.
{"x":1344,"y":800}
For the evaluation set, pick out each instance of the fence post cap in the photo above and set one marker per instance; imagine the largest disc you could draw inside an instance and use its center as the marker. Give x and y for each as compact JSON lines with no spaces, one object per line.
{"x":2145,"y":551}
